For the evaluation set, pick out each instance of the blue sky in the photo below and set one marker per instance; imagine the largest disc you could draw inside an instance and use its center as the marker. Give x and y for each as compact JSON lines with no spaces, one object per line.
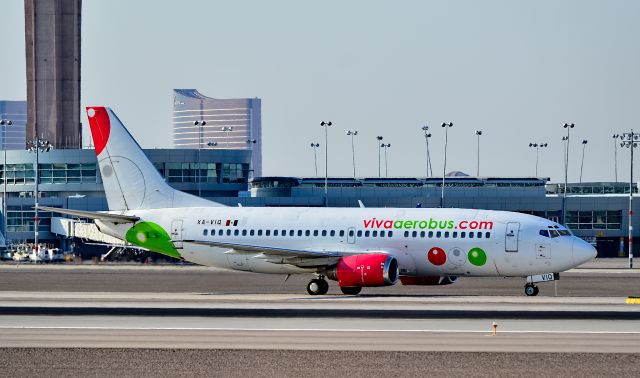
{"x":515,"y":69}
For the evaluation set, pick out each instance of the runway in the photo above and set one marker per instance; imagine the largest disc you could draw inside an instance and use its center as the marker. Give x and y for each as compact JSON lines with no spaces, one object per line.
{"x":165,"y":312}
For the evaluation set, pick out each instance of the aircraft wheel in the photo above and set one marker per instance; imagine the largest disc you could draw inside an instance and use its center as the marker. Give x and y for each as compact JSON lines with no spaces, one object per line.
{"x":531,"y":290}
{"x":351,"y":290}
{"x":317,"y":287}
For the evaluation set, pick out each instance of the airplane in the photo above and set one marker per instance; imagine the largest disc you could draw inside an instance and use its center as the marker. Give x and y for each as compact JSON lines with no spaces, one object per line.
{"x":357,"y":247}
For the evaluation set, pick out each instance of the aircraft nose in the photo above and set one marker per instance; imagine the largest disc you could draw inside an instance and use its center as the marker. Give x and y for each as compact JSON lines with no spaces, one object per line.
{"x":582,"y":251}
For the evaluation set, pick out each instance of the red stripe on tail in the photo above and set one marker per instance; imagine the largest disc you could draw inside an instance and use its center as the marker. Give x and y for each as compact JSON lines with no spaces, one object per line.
{"x":100,"y":126}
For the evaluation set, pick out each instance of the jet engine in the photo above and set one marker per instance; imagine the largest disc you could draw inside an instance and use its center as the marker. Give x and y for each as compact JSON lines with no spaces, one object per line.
{"x":365,"y":270}
{"x":428,"y":280}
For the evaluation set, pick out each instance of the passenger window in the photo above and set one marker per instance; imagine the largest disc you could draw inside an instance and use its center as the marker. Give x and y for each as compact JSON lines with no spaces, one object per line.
{"x":390,"y":234}
{"x":220,"y":232}
{"x":438,"y":234}
{"x":455,"y":234}
{"x":414,"y":234}
{"x":275,"y":232}
{"x":236,"y":232}
{"x":324,"y":232}
{"x":244,"y":232}
{"x":406,"y":234}
{"x":430,"y":234}
{"x":374,"y":233}
{"x":366,"y":234}
{"x":213,"y":232}
{"x":342,"y":233}
{"x":487,"y":235}
{"x":252,"y":232}
{"x":204,"y":232}
{"x":307,"y":233}
{"x":463,"y":235}
{"x":332,"y":233}
{"x":259,"y":232}
{"x":267,"y":232}
{"x":292,"y":232}
{"x":315,"y":232}
{"x":470,"y":235}
{"x":422,"y":234}
{"x":382,"y":234}
{"x":350,"y":233}
{"x":446,"y":234}
{"x":359,"y":234}
{"x":479,"y":235}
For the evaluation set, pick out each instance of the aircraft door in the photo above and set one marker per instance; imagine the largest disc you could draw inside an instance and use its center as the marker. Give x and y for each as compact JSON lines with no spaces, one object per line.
{"x":176,"y":233}
{"x":511,"y":237}
{"x":351,"y":235}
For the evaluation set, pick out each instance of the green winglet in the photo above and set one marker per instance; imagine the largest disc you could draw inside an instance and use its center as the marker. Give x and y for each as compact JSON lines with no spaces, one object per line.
{"x":151,"y":236}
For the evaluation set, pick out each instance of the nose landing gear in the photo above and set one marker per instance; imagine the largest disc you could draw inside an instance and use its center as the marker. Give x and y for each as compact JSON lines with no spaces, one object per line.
{"x":318,"y":286}
{"x":531,"y":290}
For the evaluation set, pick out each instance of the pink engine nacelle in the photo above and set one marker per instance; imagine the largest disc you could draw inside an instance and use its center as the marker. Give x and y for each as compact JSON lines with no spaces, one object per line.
{"x":365,"y":270}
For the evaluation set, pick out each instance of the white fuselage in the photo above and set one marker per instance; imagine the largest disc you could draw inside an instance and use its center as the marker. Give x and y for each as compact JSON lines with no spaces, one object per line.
{"x":512,"y":242}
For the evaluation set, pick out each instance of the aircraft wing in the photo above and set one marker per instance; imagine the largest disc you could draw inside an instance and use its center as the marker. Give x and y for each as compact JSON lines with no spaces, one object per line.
{"x":115,"y":218}
{"x":301,"y":258}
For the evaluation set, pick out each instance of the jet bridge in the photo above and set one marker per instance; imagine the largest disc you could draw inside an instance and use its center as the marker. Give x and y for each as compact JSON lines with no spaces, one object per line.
{"x":73,"y":228}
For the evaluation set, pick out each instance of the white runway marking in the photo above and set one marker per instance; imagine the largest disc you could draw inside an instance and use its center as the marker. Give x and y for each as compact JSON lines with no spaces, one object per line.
{"x":310,"y":330}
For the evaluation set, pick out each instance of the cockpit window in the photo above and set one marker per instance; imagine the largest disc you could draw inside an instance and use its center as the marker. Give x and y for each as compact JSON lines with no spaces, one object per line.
{"x":564,"y":232}
{"x":554,"y":233}
{"x":544,"y":233}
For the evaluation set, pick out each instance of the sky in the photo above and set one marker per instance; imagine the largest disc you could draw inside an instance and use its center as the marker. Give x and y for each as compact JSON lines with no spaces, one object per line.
{"x":517,"y":70}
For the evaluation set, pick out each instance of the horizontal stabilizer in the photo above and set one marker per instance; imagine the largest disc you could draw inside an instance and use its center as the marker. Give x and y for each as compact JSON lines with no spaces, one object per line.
{"x":115,"y":218}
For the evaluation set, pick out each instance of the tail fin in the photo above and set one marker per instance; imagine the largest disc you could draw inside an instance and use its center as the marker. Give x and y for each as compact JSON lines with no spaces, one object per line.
{"x":130,"y":180}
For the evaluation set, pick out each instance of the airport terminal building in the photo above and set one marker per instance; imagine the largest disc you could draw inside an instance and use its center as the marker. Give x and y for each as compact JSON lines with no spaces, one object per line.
{"x":69,"y":178}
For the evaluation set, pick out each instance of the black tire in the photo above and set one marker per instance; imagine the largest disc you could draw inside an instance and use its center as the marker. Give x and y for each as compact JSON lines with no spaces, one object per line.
{"x":351,"y":290}
{"x":530,"y":290}
{"x":324,"y":288}
{"x":315,"y":286}
{"x":537,"y":290}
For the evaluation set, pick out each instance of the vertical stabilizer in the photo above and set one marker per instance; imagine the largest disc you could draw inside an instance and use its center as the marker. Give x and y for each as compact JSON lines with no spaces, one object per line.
{"x":130,"y":180}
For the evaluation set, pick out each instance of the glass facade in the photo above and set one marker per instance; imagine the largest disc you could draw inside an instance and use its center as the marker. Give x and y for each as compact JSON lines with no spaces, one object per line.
{"x":22,"y":220}
{"x":594,"y":220}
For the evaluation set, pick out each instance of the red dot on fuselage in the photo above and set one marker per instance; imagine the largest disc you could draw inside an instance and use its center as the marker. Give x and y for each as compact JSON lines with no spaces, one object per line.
{"x":436,"y":256}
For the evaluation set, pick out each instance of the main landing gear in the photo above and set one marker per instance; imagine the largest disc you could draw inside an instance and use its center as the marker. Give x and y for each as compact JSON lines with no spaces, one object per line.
{"x":531,"y":290}
{"x":318,"y":286}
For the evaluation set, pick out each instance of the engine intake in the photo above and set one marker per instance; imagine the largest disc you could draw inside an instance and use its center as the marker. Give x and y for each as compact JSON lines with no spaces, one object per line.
{"x":365,"y":270}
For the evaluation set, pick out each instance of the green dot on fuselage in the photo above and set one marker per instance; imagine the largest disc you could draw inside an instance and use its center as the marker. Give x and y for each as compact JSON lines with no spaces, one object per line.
{"x":477,"y":256}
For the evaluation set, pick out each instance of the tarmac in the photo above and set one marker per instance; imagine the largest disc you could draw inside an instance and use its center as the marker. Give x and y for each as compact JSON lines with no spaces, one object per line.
{"x":180,"y":310}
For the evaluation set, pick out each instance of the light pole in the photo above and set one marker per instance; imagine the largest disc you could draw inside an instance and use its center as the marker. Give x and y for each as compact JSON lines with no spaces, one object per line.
{"x":37,"y":145}
{"x":444,"y":166}
{"x":630,"y":140}
{"x":4,"y":123}
{"x":200,"y":131}
{"x":386,"y":167}
{"x":427,"y":135}
{"x":615,"y":154}
{"x":567,"y":126}
{"x":315,"y":156}
{"x":537,"y":146}
{"x":584,"y":144}
{"x":226,"y":130}
{"x":478,"y":133}
{"x":379,"y":138}
{"x":326,"y":161}
{"x":353,"y":150}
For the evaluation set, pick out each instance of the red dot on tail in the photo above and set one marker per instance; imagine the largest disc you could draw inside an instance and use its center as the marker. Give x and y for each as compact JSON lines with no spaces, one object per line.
{"x":436,"y":256}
